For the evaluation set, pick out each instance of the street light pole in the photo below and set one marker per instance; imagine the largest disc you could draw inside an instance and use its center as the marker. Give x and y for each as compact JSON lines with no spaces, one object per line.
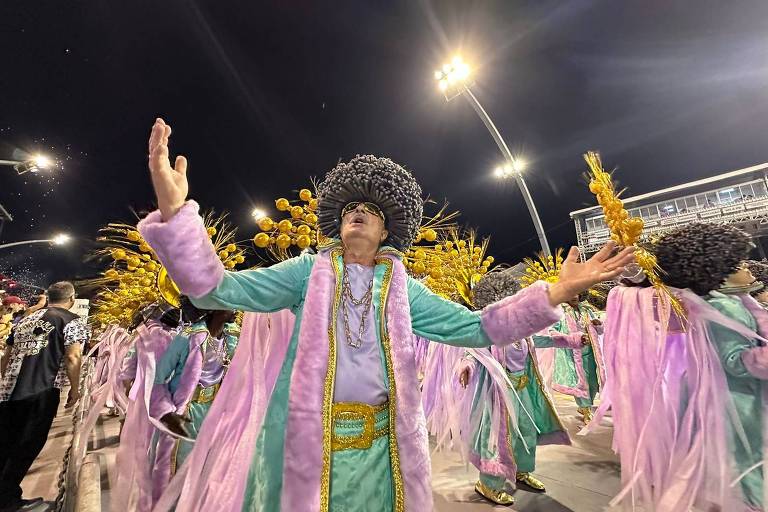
{"x":34,"y":164}
{"x":57,"y":240}
{"x":467,"y":93}
{"x":453,"y":80}
{"x":25,"y":242}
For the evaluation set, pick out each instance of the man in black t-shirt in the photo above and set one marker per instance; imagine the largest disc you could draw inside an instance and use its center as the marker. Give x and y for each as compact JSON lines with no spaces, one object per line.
{"x":43,"y":349}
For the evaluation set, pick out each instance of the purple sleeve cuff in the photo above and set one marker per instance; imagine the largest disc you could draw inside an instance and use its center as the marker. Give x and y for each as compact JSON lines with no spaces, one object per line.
{"x":183,"y":247}
{"x":756,"y":362}
{"x":520,"y":315}
{"x":160,"y":403}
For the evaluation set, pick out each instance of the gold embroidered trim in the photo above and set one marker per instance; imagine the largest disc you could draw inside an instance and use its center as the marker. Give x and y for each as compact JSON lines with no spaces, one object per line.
{"x":355,"y":411}
{"x":394,"y":454}
{"x":330,"y":379}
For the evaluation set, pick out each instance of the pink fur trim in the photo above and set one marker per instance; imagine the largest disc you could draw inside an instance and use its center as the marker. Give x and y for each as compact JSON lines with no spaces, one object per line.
{"x":183,"y":247}
{"x":520,"y":315}
{"x":410,"y":423}
{"x":303,"y":452}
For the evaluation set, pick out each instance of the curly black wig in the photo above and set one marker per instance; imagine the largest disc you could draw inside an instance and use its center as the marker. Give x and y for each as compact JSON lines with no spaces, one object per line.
{"x":759,"y":270}
{"x":377,"y":180}
{"x":701,"y":256}
{"x":494,"y":286}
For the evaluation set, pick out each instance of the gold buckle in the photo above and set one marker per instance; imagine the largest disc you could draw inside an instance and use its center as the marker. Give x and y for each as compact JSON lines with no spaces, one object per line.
{"x":205,"y":395}
{"x":520,"y":382}
{"x":352,"y":411}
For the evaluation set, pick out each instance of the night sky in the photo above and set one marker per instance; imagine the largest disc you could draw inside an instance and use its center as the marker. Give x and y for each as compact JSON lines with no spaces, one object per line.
{"x":263,"y":96}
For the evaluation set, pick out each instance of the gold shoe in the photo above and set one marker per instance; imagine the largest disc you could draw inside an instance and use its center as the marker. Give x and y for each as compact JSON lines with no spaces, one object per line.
{"x":498,"y":497}
{"x":586,"y":414}
{"x":531,"y":481}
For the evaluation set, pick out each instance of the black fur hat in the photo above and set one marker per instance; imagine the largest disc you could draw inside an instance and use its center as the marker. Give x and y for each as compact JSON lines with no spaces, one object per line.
{"x":377,"y":180}
{"x":701,"y":256}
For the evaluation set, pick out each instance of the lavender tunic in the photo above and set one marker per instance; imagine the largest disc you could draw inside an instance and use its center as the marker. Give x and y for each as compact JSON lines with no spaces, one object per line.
{"x":359,"y":371}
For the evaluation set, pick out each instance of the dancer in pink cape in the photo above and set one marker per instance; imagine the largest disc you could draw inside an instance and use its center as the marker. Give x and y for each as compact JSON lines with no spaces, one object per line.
{"x":688,"y":390}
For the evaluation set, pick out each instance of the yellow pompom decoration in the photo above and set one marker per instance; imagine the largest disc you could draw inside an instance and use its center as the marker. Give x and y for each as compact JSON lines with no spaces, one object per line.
{"x":282,"y":204}
{"x":133,"y":236}
{"x":231,"y":247}
{"x":312,"y":204}
{"x":118,"y":254}
{"x":419,"y":267}
{"x":261,"y":240}
{"x":284,"y":226}
{"x":266,"y":224}
{"x":430,"y":235}
{"x":283,"y":241}
{"x":303,"y":241}
{"x":297,"y":212}
{"x":311,"y":219}
{"x":211,"y":231}
{"x":305,"y":194}
{"x":304,"y":230}
{"x":223,"y":254}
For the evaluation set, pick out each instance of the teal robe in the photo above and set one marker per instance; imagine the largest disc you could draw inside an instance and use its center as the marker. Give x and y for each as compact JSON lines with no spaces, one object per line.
{"x":746,"y":391}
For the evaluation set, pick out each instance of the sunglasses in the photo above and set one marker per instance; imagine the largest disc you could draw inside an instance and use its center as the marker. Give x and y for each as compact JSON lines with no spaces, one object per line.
{"x":368,"y":207}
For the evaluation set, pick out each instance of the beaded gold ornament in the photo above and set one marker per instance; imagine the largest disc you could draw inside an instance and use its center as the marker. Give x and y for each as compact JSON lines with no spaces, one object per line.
{"x":625,"y":230}
{"x":135,"y":277}
{"x":543,"y":268}
{"x":453,"y":266}
{"x":298,"y":229}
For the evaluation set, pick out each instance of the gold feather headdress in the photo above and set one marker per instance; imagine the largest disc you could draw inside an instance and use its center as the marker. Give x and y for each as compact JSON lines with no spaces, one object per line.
{"x":135,"y":277}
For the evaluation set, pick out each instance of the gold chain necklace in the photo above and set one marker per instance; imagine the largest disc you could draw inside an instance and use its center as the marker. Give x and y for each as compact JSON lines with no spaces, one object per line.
{"x":349,"y":298}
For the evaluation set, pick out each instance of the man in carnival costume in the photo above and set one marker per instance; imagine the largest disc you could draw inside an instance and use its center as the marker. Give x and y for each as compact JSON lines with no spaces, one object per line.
{"x":697,"y":361}
{"x":343,"y":427}
{"x":533,"y":419}
{"x":186,"y":382}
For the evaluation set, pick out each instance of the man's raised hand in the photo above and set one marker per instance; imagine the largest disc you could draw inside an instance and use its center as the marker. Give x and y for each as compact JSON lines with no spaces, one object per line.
{"x":170,"y":183}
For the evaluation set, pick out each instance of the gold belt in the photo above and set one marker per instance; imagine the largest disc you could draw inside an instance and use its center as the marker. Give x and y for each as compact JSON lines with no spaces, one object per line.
{"x":205,"y":395}
{"x":518,"y":382}
{"x":354,"y":411}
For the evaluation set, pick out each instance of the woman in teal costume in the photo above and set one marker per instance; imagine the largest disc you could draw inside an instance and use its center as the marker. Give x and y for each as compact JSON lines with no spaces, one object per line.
{"x":315,"y":447}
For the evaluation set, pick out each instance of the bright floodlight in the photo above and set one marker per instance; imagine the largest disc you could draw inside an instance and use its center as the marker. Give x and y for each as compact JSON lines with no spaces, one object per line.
{"x":258,"y":214}
{"x":452,"y":75}
{"x":61,"y":239}
{"x":42,"y":162}
{"x":510,"y":169}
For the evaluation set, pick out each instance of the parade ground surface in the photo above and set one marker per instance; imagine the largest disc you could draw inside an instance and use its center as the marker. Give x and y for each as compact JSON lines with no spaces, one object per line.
{"x":580,"y":478}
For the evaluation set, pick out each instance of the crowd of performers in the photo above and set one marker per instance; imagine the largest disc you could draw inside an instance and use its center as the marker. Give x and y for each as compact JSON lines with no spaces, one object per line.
{"x":319,"y":382}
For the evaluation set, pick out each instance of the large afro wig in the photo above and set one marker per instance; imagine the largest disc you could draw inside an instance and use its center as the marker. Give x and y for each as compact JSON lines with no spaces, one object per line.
{"x":495,"y":286}
{"x":701,"y":256}
{"x":377,"y":180}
